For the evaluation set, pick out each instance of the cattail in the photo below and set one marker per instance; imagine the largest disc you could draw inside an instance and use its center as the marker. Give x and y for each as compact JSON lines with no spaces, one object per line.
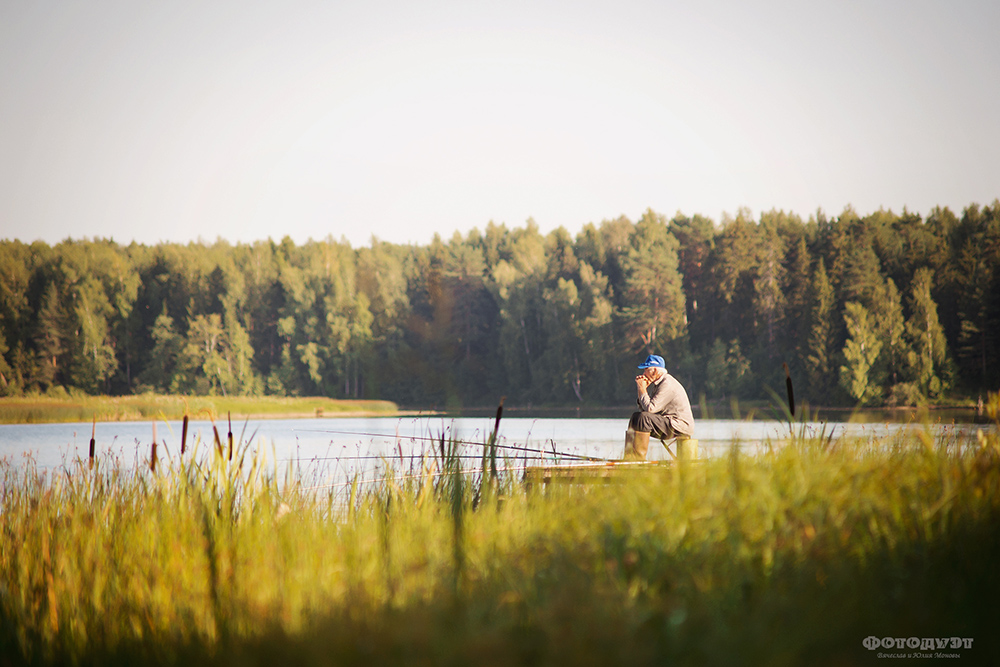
{"x":184,"y":434}
{"x":230,"y":418}
{"x":152,"y":455}
{"x":788,"y":387}
{"x":93,"y":436}
{"x":493,"y":439}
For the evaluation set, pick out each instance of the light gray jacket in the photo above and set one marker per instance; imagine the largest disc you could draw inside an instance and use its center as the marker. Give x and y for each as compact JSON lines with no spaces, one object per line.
{"x":667,"y":397}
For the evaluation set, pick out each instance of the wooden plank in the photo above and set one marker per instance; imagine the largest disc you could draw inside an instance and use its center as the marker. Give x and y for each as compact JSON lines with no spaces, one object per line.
{"x":588,"y":473}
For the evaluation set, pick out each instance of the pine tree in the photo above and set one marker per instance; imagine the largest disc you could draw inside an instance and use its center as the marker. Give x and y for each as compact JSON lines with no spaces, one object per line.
{"x":655,"y":316}
{"x":978,"y":284}
{"x":50,"y":339}
{"x":735,"y":265}
{"x":769,"y":298}
{"x":696,"y":240}
{"x":795,"y":337}
{"x":820,"y":346}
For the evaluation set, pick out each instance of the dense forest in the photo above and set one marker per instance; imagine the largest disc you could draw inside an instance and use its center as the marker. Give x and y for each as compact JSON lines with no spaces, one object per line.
{"x":884,"y":309}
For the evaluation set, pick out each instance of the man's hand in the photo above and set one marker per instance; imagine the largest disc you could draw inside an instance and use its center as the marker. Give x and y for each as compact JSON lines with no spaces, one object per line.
{"x":641,"y":382}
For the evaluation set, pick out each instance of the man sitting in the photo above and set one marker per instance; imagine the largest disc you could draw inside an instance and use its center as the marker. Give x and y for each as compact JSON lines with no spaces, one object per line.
{"x":664,"y":409}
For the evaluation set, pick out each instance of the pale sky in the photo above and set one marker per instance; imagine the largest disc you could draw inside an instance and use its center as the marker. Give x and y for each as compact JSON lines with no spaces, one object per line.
{"x":175,"y":120}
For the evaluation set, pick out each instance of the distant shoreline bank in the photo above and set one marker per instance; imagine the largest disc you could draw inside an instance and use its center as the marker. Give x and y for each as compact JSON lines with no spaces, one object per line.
{"x":55,"y":410}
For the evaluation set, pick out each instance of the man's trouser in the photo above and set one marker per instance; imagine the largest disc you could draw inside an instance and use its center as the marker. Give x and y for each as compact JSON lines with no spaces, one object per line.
{"x":653,"y":422}
{"x":640,"y":426}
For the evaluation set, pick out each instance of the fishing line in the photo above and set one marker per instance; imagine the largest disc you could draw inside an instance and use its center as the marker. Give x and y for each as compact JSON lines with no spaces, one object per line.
{"x":411,"y":457}
{"x":458,"y":442}
{"x":416,"y":476}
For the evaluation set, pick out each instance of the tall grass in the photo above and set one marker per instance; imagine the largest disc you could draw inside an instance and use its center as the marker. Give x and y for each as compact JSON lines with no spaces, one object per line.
{"x":790,"y":558}
{"x":82,"y":408}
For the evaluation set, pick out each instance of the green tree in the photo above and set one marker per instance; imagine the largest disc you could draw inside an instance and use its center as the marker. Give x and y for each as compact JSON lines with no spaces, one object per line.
{"x":201,"y":361}
{"x":655,"y":316}
{"x":861,"y":353}
{"x":942,"y":224}
{"x":794,"y":338}
{"x":734,"y":269}
{"x":261,"y":303}
{"x":727,"y":370}
{"x":431,"y":328}
{"x":472,"y":307}
{"x":928,"y":355}
{"x":167,"y":346}
{"x":596,"y":336}
{"x":237,"y":375}
{"x":902,"y":242}
{"x":17,"y":268}
{"x":50,"y":340}
{"x":821,"y":346}
{"x":978,"y":284}
{"x":769,"y":287}
{"x":93,"y":360}
{"x":717,"y":381}
{"x":516,"y":282}
{"x":321,"y":319}
{"x":696,"y":240}
{"x":7,"y":384}
{"x":887,"y":311}
{"x":603,"y":248}
{"x":382,"y":278}
{"x":564,"y":345}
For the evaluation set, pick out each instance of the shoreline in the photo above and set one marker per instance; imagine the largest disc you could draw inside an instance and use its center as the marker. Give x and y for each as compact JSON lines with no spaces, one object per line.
{"x":73,"y":409}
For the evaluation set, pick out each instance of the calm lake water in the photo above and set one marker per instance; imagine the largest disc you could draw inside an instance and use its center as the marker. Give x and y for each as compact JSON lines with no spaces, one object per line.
{"x":330,"y":450}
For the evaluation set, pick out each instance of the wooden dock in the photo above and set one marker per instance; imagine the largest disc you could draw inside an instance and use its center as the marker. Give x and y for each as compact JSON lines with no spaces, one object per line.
{"x":609,"y":471}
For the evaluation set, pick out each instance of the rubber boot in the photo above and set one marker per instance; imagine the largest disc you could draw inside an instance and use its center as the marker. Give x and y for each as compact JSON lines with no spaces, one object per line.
{"x":636,"y":445}
{"x":629,"y":445}
{"x":641,"y":445}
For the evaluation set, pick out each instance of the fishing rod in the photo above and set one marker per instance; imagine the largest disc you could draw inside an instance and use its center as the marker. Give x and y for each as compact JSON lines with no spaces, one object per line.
{"x":439,"y":473}
{"x":396,"y":457}
{"x":458,"y":442}
{"x":417,"y":476}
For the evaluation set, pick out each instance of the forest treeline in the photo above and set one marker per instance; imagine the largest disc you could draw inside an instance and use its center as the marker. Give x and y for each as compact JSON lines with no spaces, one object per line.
{"x":882,"y":309}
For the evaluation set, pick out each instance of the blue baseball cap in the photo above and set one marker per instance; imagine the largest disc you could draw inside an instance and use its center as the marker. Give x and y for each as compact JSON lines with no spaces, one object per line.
{"x":653,"y":361}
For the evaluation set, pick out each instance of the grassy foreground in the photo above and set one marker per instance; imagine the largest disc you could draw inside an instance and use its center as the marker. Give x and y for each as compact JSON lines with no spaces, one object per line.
{"x":792,"y":558}
{"x":51,"y":409}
